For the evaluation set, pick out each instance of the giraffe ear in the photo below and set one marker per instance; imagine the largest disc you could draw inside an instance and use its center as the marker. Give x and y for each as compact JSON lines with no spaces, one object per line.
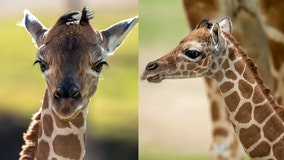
{"x":226,"y":25}
{"x":33,"y":26}
{"x":115,"y":34}
{"x":216,"y":34}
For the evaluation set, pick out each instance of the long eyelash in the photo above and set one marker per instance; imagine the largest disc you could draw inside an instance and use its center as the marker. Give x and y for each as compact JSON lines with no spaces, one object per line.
{"x":36,"y":61}
{"x":105,"y":63}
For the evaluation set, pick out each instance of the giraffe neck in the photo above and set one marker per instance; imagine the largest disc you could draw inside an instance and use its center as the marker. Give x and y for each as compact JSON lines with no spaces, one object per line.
{"x":251,"y":108}
{"x":59,"y":139}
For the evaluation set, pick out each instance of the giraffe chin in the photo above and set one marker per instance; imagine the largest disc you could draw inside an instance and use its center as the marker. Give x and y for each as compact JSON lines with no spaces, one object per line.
{"x":154,"y":79}
{"x":68,"y":117}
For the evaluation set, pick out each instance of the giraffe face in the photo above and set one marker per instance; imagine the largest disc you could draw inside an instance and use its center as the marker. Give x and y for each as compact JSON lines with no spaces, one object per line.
{"x":195,"y":56}
{"x":71,"y":68}
{"x":71,"y":55}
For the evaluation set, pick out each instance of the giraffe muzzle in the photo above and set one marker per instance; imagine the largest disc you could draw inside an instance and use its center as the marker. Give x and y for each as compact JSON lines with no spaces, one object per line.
{"x":151,"y":73}
{"x":67,"y":101}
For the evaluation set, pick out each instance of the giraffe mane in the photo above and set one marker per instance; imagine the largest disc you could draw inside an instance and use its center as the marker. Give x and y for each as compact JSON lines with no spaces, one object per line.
{"x":253,"y":68}
{"x":31,"y":139}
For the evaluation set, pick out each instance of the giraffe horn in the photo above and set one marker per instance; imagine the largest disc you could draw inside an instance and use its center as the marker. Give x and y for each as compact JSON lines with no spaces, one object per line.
{"x":86,"y":16}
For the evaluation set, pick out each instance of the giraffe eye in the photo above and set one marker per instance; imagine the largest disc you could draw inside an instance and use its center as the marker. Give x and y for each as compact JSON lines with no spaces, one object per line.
{"x":42,"y":65}
{"x":192,"y":54}
{"x":99,"y":66}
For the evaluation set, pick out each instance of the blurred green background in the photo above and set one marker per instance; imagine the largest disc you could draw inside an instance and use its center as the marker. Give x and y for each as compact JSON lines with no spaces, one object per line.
{"x":113,"y":111}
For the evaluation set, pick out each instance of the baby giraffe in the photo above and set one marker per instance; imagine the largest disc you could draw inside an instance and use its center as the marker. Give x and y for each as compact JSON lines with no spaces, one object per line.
{"x":211,"y":51}
{"x":71,"y":55}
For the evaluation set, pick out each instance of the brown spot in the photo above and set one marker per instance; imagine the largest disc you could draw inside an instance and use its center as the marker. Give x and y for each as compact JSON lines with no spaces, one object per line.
{"x":239,"y":67}
{"x":54,"y":158}
{"x":278,"y":149}
{"x":40,"y":130}
{"x":273,"y":128}
{"x":258,"y":96}
{"x":78,"y":121}
{"x":232,"y":55}
{"x":249,"y":136}
{"x":213,"y":65}
{"x":262,"y":150}
{"x":231,"y":75}
{"x":261,"y":112}
{"x":67,"y":146}
{"x":192,"y":74}
{"x":232,"y":101}
{"x":190,"y":66}
{"x":219,"y":76}
{"x":47,"y":125}
{"x":248,"y":76}
{"x":215,"y":111}
{"x":220,"y":132}
{"x":182,"y":67}
{"x":42,"y":150}
{"x":225,"y":64}
{"x":244,"y":113}
{"x":226,"y":86}
{"x":245,"y":89}
{"x":185,"y":73}
{"x":59,"y":123}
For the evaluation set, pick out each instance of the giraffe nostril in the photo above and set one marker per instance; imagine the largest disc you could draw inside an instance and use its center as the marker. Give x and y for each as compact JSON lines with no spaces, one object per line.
{"x":72,"y":92}
{"x":75,"y":93}
{"x":58,"y":94}
{"x":152,"y":66}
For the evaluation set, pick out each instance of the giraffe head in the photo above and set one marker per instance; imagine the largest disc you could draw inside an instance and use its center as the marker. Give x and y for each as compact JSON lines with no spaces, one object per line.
{"x":197,"y":55}
{"x":71,"y":55}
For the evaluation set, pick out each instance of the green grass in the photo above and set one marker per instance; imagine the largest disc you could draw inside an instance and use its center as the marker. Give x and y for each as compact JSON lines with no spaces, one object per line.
{"x":113,"y":109}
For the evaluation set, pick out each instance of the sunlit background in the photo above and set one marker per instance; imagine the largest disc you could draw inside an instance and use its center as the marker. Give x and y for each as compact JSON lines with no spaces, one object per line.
{"x":112,"y":118}
{"x":173,"y":115}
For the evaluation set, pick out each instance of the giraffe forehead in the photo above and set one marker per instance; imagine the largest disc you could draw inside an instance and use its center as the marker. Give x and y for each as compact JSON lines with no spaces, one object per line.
{"x":71,"y":54}
{"x":193,"y":45}
{"x":196,"y":40}
{"x":86,"y":34}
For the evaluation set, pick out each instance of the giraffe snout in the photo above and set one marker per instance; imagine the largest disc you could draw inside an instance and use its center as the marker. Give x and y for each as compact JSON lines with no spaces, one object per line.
{"x":65,"y":92}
